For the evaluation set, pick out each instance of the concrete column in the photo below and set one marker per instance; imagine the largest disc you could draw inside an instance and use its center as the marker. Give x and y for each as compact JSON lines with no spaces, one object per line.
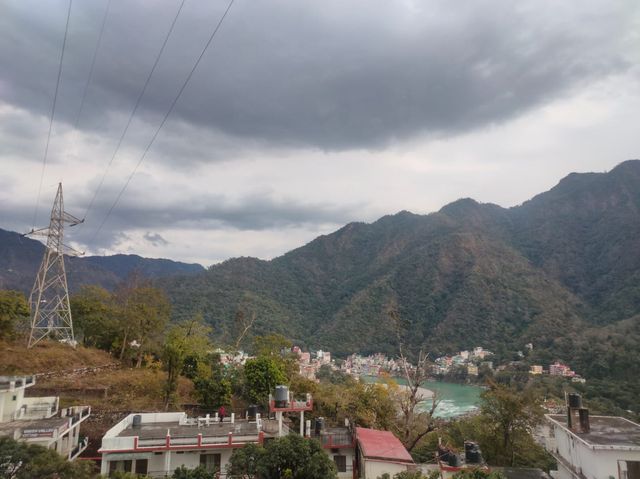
{"x":302,"y":423}
{"x":279,"y":416}
{"x":167,"y":462}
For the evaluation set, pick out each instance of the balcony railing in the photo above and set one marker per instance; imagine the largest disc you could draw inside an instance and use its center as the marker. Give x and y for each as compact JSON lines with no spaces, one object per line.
{"x":82,"y":445}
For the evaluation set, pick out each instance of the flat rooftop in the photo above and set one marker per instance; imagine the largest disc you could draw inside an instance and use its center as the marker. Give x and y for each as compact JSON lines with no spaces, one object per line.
{"x":606,"y":431}
{"x":159,"y":430}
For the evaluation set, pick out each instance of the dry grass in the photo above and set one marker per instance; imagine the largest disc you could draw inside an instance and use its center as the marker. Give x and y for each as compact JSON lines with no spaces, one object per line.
{"x":128,"y":389}
{"x":48,"y":356}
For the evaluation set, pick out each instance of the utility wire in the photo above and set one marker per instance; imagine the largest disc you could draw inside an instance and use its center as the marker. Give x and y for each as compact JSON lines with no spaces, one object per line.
{"x":135,"y":108}
{"x":164,"y":120}
{"x":53,"y":111}
{"x":93,"y":63}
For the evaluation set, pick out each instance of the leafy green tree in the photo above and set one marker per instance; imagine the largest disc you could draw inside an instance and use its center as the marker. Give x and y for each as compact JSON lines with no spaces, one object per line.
{"x":262,"y":375}
{"x":509,"y":417}
{"x":478,"y":474}
{"x":198,"y":473}
{"x":245,"y":461}
{"x":13,"y":309}
{"x":95,"y":317}
{"x":270,"y":345}
{"x":143,"y":313}
{"x":29,"y":461}
{"x":291,"y":457}
{"x":187,"y":339}
{"x":213,"y":391}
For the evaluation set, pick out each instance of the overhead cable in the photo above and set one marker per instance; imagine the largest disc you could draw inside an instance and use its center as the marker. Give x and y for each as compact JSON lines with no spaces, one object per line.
{"x":164,"y":120}
{"x":135,"y":108}
{"x":93,"y":63}
{"x":53,"y":111}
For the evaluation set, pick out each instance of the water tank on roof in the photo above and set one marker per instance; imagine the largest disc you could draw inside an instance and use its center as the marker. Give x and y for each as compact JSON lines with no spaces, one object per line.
{"x":454,"y":460}
{"x":137,"y":421}
{"x":252,"y":411}
{"x":575,"y":401}
{"x":282,"y":396}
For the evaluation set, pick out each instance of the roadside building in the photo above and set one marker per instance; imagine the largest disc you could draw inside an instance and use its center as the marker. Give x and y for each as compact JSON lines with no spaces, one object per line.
{"x":596,"y":447}
{"x":472,"y":370}
{"x":39,"y":420}
{"x":380,"y":452}
{"x":536,"y":369}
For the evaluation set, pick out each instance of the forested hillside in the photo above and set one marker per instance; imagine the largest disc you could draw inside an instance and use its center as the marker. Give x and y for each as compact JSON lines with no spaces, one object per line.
{"x":560,"y":271}
{"x":20,"y":258}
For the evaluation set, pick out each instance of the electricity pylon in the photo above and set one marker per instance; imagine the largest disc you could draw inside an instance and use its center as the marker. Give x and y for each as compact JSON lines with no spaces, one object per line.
{"x":49,"y":299}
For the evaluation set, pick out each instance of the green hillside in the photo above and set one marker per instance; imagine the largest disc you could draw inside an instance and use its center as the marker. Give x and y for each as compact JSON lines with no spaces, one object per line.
{"x":560,"y":271}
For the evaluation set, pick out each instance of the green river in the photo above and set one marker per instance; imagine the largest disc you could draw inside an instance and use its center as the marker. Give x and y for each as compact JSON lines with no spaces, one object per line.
{"x":455,"y":399}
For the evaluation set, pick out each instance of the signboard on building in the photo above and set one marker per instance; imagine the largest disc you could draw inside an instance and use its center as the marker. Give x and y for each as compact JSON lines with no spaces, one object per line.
{"x":38,"y":432}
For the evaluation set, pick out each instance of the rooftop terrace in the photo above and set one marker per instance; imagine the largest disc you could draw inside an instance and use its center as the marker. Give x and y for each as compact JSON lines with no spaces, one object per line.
{"x":605,"y":431}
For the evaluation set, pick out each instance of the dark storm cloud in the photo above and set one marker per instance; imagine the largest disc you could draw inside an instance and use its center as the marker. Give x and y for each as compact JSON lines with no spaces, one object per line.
{"x":332,"y":74}
{"x":155,"y":239}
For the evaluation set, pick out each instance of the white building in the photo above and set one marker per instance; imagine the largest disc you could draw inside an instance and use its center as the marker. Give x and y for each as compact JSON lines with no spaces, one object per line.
{"x":609,"y":448}
{"x":158,"y":443}
{"x":39,"y":420}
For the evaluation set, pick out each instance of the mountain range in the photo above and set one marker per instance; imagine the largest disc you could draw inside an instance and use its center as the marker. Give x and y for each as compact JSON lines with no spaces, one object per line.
{"x":20,"y":258}
{"x":560,"y":271}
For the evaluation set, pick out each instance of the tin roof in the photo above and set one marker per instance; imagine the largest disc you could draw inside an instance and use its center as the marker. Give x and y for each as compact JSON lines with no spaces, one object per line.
{"x":382,"y":445}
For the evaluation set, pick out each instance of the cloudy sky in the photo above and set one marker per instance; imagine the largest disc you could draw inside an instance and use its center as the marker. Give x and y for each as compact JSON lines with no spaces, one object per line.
{"x":304,"y":115}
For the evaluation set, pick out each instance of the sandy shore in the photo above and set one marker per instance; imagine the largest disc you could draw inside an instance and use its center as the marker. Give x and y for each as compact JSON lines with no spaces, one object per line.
{"x":423,"y":393}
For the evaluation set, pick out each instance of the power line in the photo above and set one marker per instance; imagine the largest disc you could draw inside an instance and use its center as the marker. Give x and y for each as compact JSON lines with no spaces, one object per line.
{"x":166,"y":116}
{"x":135,"y":108}
{"x":93,"y":63}
{"x":53,"y":110}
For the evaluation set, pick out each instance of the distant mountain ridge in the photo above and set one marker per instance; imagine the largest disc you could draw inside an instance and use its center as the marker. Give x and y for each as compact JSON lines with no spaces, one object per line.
{"x":562,"y":271}
{"x":20,"y":258}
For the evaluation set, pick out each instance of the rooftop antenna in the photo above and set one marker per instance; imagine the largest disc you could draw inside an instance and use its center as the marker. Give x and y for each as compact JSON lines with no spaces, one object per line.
{"x":49,"y":299}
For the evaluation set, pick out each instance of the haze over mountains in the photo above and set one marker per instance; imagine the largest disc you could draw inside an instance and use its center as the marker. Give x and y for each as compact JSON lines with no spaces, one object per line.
{"x":561,"y":271}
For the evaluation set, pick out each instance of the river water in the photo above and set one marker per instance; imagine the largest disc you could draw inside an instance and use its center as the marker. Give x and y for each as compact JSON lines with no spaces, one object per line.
{"x":454,"y":399}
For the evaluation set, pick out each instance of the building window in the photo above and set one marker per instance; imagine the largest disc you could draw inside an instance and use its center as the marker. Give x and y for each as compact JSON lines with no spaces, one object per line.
{"x":341,"y":463}
{"x":633,"y":469}
{"x":119,"y":466}
{"x":142,"y":466}
{"x":211,"y":462}
{"x":15,"y":397}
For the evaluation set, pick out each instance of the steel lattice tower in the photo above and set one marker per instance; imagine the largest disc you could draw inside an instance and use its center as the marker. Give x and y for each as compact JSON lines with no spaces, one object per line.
{"x":49,"y":299}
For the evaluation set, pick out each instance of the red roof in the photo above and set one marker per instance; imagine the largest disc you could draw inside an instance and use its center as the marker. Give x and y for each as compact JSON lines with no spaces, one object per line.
{"x":381,"y":445}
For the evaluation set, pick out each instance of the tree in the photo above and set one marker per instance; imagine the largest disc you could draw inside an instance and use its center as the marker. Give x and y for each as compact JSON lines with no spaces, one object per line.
{"x":413,"y":424}
{"x":213,"y":390}
{"x":143,"y":313}
{"x":13,"y":310}
{"x":478,"y":474}
{"x":290,"y":457}
{"x":30,"y":461}
{"x":95,"y":317}
{"x":270,"y":345}
{"x":198,"y":473}
{"x":509,"y":417}
{"x":186,"y":339}
{"x":244,"y":462}
{"x":262,"y":375}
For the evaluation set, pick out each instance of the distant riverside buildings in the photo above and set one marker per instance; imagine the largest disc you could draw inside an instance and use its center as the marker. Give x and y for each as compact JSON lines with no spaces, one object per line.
{"x":39,"y":420}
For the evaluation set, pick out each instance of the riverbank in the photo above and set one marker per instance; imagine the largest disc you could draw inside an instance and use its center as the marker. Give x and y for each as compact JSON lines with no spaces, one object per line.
{"x":453,"y":399}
